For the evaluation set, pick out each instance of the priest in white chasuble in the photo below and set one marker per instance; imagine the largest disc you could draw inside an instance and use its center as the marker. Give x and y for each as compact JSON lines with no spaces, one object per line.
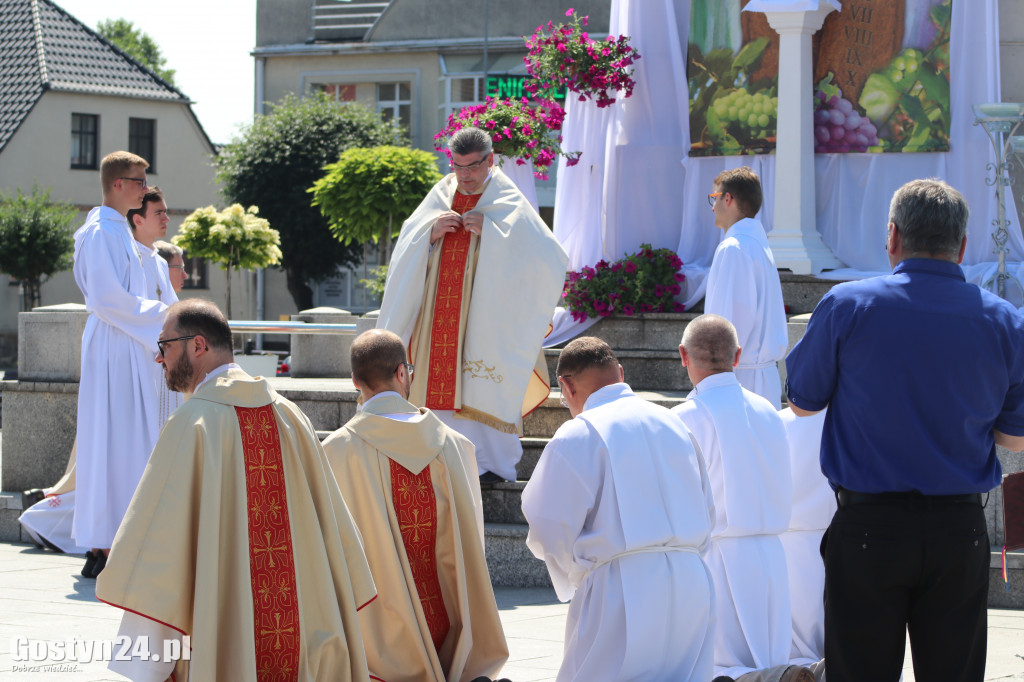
{"x":237,"y":536}
{"x":411,"y":486}
{"x":744,"y":445}
{"x":471,"y":289}
{"x":620,"y":510}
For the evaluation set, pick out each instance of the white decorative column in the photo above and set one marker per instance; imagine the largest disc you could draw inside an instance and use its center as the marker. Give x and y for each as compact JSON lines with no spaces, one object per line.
{"x":794,"y":238}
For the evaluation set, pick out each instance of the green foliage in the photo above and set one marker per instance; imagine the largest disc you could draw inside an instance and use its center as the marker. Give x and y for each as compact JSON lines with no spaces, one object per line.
{"x":139,"y":45}
{"x":644,"y":282}
{"x":375,"y":284}
{"x":367,"y":190}
{"x":730,"y":113}
{"x":278,"y":157}
{"x":36,"y":239}
{"x":232,"y":238}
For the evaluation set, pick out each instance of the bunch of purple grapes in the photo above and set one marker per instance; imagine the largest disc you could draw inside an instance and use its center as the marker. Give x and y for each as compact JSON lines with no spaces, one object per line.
{"x":838,"y":127}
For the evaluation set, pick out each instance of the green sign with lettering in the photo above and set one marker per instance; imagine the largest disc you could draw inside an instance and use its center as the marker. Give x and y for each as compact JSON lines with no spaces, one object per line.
{"x":504,"y":85}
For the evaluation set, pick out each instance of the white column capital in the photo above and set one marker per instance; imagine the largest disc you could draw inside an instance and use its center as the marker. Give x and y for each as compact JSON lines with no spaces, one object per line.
{"x":806,"y":22}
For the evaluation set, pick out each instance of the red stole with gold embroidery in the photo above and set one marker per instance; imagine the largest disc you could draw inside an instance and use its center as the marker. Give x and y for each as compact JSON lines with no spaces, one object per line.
{"x":445,"y":363}
{"x":271,"y":558}
{"x":416,"y":508}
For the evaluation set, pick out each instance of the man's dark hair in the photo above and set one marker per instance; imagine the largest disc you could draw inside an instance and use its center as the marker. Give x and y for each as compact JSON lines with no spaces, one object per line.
{"x":375,"y":355}
{"x":152,"y":194}
{"x":470,"y":140}
{"x":584,"y":353}
{"x":744,"y":186}
{"x":931,"y":217}
{"x":203,"y":318}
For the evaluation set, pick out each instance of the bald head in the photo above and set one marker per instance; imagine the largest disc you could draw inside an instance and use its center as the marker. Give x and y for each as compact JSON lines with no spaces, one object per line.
{"x":204,"y":318}
{"x":375,"y":355}
{"x":586,"y":365}
{"x":711,"y":344}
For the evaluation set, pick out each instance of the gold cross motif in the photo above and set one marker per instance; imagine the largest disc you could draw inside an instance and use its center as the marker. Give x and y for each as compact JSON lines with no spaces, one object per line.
{"x":416,"y":525}
{"x":277,"y":630}
{"x":428,"y":603}
{"x":262,"y":466}
{"x":269,"y":549}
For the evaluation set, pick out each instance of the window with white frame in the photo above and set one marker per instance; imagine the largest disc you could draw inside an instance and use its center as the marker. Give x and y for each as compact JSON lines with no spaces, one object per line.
{"x":394,"y":102}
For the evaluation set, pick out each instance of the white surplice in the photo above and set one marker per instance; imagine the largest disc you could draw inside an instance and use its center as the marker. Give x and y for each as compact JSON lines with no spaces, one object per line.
{"x":744,"y":288}
{"x":814,"y":504}
{"x":619,"y":509}
{"x":118,"y":394}
{"x":158,"y":286}
{"x":744,"y":445}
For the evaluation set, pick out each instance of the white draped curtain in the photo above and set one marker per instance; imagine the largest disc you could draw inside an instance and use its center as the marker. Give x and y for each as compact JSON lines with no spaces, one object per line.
{"x":635,"y":182}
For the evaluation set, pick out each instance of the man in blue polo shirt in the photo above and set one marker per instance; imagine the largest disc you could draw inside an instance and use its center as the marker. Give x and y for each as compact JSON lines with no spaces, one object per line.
{"x":922,"y":374}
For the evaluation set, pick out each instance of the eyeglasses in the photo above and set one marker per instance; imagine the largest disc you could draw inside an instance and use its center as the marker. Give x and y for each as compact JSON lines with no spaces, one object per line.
{"x":469,"y":166}
{"x":408,"y":368}
{"x":160,"y":344}
{"x":561,"y":397}
{"x":141,"y":181}
{"x":713,"y":197}
{"x":178,"y":267}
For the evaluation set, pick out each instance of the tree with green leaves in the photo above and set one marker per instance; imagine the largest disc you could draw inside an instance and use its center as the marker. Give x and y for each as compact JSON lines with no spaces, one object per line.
{"x":36,"y":240}
{"x":279,"y":157}
{"x":137,"y":44}
{"x":367,"y":194}
{"x":233,"y":238}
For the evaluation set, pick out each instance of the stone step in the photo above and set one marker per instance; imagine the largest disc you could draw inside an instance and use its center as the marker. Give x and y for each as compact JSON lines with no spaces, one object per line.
{"x":503,"y":502}
{"x":532,"y":448}
{"x":644,"y":369}
{"x":509,"y":561}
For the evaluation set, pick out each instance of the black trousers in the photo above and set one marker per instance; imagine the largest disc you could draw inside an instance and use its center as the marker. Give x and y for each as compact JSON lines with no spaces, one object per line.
{"x":910,"y":565}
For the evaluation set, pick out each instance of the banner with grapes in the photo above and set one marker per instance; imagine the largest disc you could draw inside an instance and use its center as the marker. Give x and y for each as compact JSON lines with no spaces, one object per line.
{"x":881,"y":74}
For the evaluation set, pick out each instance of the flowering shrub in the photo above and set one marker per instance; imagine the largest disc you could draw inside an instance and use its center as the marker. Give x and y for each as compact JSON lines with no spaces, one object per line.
{"x":518,"y":130}
{"x":644,"y":282}
{"x":564,"y":54}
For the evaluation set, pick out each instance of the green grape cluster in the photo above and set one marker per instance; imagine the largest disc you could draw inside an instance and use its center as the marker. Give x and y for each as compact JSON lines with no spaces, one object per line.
{"x":902,"y":69}
{"x":747,"y":116}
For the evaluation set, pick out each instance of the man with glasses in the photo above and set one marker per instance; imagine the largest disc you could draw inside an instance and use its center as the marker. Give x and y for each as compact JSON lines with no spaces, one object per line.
{"x":175,"y":257}
{"x":118,"y":397}
{"x":410,"y":483}
{"x":743,"y":285}
{"x":620,"y":510}
{"x":50,"y":520}
{"x":471,"y":288}
{"x":237,"y":536}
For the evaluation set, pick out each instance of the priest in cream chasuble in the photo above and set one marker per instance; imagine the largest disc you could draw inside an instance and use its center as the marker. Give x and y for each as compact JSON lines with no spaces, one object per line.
{"x":471,"y":288}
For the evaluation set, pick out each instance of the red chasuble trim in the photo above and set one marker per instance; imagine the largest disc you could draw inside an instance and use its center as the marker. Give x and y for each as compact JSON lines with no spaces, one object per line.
{"x":445,"y":363}
{"x":416,"y":508}
{"x":271,"y":557}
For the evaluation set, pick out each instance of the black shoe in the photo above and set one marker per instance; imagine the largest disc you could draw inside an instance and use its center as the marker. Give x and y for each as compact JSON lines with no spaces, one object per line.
{"x":101,"y":563}
{"x":489,"y":478}
{"x":723,"y":678}
{"x":90,"y":564}
{"x":30,"y":497}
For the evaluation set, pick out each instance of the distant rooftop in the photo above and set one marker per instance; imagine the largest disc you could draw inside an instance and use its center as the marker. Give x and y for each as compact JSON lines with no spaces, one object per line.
{"x":42,"y":47}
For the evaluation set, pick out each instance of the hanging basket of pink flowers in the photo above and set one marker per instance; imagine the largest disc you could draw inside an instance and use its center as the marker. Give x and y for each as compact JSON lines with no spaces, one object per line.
{"x":565,"y":54}
{"x":519,"y":130}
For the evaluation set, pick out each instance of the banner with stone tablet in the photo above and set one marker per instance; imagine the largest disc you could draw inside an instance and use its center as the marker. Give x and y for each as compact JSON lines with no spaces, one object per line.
{"x":881,"y":75}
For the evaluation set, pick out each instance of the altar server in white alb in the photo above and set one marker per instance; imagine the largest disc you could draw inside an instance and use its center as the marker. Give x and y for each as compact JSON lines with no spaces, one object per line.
{"x":471,"y":288}
{"x":620,"y":510}
{"x":744,"y":286}
{"x":744,"y":445}
{"x":118,"y":403}
{"x":49,"y":521}
{"x":814,"y":504}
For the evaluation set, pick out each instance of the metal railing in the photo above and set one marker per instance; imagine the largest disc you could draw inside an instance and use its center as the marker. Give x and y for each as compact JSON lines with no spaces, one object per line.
{"x":267,"y":327}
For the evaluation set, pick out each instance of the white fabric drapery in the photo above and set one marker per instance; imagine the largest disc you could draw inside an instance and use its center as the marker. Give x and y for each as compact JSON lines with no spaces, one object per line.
{"x":635,"y":182}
